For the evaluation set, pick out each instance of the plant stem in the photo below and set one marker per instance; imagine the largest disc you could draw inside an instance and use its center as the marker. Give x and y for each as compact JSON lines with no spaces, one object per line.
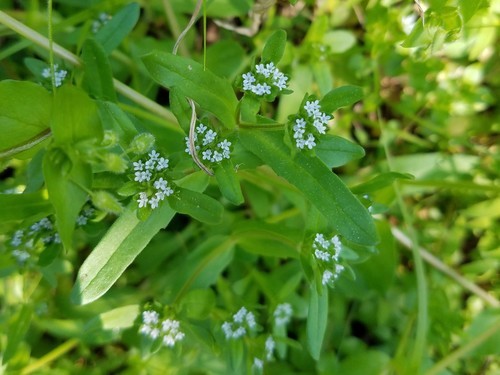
{"x":439,"y":265}
{"x":174,"y":25}
{"x":51,"y":48}
{"x":49,"y":357}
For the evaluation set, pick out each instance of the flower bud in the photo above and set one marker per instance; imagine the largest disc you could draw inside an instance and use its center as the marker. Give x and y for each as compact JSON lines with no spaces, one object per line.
{"x":142,"y":143}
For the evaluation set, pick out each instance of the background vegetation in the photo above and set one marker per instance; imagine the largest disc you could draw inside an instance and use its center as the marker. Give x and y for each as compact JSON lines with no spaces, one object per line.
{"x":423,"y":300}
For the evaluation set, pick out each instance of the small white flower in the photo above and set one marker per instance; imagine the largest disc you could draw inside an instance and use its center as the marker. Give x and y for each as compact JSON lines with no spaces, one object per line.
{"x":327,"y":276}
{"x":206,"y":155}
{"x":21,"y":255}
{"x":155,"y":332}
{"x":216,"y":157}
{"x":240,"y":332}
{"x":240,"y":315}
{"x":322,"y":255}
{"x":160,"y":184}
{"x":141,"y":176}
{"x":150,"y":317}
{"x":312,"y":108}
{"x":270,"y":345}
{"x":143,"y":199}
{"x":250,"y":318}
{"x":154,"y":202}
{"x":258,"y":363}
{"x":209,"y":137}
{"x":162,"y":164}
{"x":260,"y":68}
{"x":81,"y":220}
{"x":228,"y":330}
{"x":320,"y":126}
{"x":138,"y":165}
{"x":201,"y":129}
{"x":282,"y":314}
{"x":153,"y":155}
{"x":310,"y":141}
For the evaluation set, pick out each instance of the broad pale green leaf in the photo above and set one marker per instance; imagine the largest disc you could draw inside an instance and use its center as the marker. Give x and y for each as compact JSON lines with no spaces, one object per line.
{"x":126,"y":238}
{"x":336,"y":151}
{"x":199,"y":206}
{"x":22,"y":206}
{"x":118,"y":27}
{"x":65,"y":175}
{"x":210,"y":92}
{"x":228,"y":182}
{"x":275,"y":47}
{"x":380,"y":182}
{"x":108,"y":326}
{"x":75,"y":117}
{"x":317,"y":318}
{"x":25,"y":110}
{"x":225,"y":58}
{"x":98,"y":78}
{"x":339,"y":41}
{"x":18,"y":326}
{"x":341,"y":97}
{"x":322,"y":187}
{"x":469,"y":8}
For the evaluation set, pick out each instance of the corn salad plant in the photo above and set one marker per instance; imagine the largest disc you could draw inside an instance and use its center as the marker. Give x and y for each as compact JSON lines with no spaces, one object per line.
{"x":228,"y":187}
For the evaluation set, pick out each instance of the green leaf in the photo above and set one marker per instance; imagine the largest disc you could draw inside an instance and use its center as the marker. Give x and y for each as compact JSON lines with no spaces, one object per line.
{"x":25,"y":110}
{"x":118,"y":27}
{"x":18,"y":326}
{"x":275,"y":47}
{"x":339,"y":41}
{"x":180,"y":108}
{"x":75,"y":117}
{"x":322,"y":187}
{"x":198,"y":304}
{"x":341,"y":97}
{"x":199,"y":206}
{"x":121,"y":244}
{"x":107,"y":326}
{"x":98,"y":77}
{"x":379,"y":182}
{"x":115,"y":119}
{"x":22,"y":206}
{"x":369,"y":362}
{"x":267,"y":239}
{"x":337,"y":151}
{"x":317,"y":318}
{"x":225,"y":58}
{"x":228,"y":182}
{"x":211,"y":92}
{"x":65,"y":174}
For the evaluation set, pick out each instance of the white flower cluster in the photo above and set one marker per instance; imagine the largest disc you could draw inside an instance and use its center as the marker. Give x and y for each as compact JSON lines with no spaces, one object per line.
{"x":243,"y":320}
{"x":328,"y":251}
{"x":269,"y":347}
{"x":212,"y":149}
{"x":308,"y":127}
{"x":84,"y":217}
{"x":149,"y":173}
{"x":283,"y":314}
{"x":168,"y":329}
{"x":26,"y":241}
{"x":265,"y":78}
{"x":59,"y":75}
{"x":101,"y":20}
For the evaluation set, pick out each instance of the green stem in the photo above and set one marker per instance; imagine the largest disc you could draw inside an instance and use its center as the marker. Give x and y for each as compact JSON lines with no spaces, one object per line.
{"x":204,"y":35}
{"x":51,"y":356}
{"x":175,"y":29}
{"x":51,"y":48}
{"x":27,"y":145}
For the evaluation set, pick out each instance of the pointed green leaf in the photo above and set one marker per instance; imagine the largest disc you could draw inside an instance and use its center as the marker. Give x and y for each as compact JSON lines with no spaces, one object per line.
{"x":380,"y":182}
{"x":64,"y":174}
{"x":337,"y":151}
{"x":210,"y":92}
{"x":317,"y":318}
{"x":22,"y":206}
{"x":275,"y":47}
{"x":17,"y":328}
{"x":75,"y":117}
{"x":118,"y":27}
{"x":229,"y":184}
{"x":199,"y":206}
{"x":25,"y":109}
{"x":98,"y":78}
{"x":341,"y":97}
{"x":322,"y":187}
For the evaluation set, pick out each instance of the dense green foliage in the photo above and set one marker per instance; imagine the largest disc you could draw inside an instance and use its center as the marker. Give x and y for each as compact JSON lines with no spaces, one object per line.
{"x":232,"y":187}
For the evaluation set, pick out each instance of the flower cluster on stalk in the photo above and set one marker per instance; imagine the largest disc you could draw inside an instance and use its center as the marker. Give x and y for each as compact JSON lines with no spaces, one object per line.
{"x":30,"y":241}
{"x":308,"y":125}
{"x":242,"y":323}
{"x":269,"y":346}
{"x":150,"y":174}
{"x":282,"y":314}
{"x":327,"y":253}
{"x":209,"y":145}
{"x":264,"y":80}
{"x":166,"y":330}
{"x":100,"y":21}
{"x":59,"y":75}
